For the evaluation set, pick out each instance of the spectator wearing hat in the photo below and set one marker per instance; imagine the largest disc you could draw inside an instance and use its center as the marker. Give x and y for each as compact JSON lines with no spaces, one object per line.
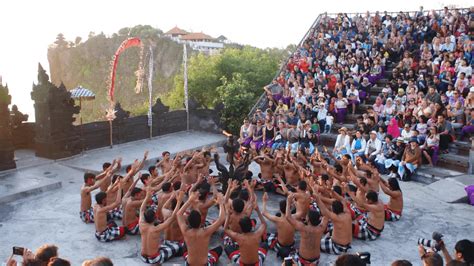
{"x":342,"y":145}
{"x":411,"y":160}
{"x":373,"y":147}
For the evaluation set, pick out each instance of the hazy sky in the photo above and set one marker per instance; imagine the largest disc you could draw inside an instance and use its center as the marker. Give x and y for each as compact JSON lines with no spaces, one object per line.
{"x":28,"y":27}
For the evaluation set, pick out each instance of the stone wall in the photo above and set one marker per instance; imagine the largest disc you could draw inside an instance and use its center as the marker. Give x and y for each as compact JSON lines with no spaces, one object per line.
{"x":96,"y":134}
{"x":24,"y":136}
{"x":6,"y":141}
{"x":54,"y":136}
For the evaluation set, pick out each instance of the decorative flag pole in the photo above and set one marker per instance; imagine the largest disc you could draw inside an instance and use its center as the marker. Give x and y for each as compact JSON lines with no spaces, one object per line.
{"x":130,"y":42}
{"x":150,"y":89}
{"x":186,"y":99}
{"x":110,"y":116}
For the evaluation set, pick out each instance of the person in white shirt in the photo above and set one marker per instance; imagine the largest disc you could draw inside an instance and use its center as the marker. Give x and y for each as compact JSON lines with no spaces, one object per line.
{"x":341,"y":107}
{"x":321,"y":117}
{"x":373,"y":147}
{"x":406,"y":133}
{"x":300,"y":98}
{"x":448,"y":45}
{"x":353,"y":97}
{"x":358,"y":146}
{"x":330,"y":59}
{"x":329,"y":122}
{"x":461,"y":83}
{"x":464,"y":68}
{"x":342,"y":145}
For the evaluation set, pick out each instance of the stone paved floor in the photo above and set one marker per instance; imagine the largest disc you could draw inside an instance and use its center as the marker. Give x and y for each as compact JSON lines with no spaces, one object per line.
{"x":52,"y":217}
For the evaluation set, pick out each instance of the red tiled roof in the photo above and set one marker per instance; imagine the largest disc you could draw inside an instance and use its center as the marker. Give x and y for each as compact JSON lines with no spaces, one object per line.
{"x":196,"y":36}
{"x":176,"y":31}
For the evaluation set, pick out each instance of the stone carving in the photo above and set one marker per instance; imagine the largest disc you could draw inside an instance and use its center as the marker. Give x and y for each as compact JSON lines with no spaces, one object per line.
{"x":159,"y":107}
{"x":56,"y":136}
{"x":17,"y":117}
{"x":7,"y":150}
{"x":121,"y":114}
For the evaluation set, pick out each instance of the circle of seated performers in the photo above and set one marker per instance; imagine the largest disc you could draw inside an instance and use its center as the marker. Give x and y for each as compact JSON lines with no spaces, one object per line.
{"x":327,"y":204}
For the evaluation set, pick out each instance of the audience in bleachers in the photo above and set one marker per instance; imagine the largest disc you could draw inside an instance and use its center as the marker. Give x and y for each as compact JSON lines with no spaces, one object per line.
{"x":406,"y":76}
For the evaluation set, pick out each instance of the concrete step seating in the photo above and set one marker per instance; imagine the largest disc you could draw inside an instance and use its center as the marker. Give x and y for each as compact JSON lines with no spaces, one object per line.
{"x":457,"y":159}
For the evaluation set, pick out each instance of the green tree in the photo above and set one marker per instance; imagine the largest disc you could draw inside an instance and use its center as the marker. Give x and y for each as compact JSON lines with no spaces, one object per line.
{"x":205,"y":73}
{"x":235,"y":77}
{"x":237,"y":100}
{"x":203,"y":80}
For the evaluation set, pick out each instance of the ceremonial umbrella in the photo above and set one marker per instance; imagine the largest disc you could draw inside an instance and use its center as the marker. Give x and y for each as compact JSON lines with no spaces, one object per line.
{"x":80,"y":94}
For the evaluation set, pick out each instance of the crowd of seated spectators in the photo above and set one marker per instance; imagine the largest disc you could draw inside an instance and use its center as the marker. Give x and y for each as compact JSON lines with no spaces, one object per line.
{"x":427,"y":99}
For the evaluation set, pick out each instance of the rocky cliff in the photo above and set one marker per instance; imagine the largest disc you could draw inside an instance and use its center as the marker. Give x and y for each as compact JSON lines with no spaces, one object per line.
{"x":88,"y":64}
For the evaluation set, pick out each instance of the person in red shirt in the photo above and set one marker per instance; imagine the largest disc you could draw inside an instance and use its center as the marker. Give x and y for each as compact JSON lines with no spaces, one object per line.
{"x":281,"y":79}
{"x":291,"y":65}
{"x":304,"y":66}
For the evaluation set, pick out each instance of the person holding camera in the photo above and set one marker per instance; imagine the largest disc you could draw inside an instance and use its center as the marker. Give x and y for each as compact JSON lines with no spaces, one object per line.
{"x":463,"y":253}
{"x":45,"y":255}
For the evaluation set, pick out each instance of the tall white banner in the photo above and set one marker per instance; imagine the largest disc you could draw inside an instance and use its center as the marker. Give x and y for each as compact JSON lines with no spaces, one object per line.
{"x":186,"y":99}
{"x":150,"y":90}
